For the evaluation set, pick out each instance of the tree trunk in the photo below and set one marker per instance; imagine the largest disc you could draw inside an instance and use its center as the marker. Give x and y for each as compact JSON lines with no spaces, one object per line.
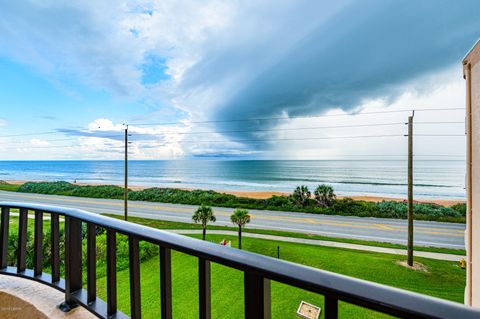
{"x":204,"y":232}
{"x":239,"y":237}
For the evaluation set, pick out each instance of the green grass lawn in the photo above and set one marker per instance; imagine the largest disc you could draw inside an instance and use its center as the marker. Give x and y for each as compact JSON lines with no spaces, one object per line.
{"x":164,"y":224}
{"x":443,"y":279}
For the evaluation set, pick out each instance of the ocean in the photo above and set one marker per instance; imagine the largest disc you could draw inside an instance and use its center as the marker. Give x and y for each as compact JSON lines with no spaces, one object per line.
{"x":432,"y":179}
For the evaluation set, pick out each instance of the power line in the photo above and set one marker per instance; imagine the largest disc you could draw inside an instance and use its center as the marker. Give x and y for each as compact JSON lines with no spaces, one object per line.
{"x":454,"y":122}
{"x":28,"y":134}
{"x":241,"y":140}
{"x":401,"y":155}
{"x":56,"y":146}
{"x":40,"y":133}
{"x":438,"y":109}
{"x":440,"y":135}
{"x":66,"y":139}
{"x":298,"y":128}
{"x":284,"y":139}
{"x":301,"y":139}
{"x":296,"y":117}
{"x":269,"y":119}
{"x":38,"y":147}
{"x":283,"y":129}
{"x":455,"y":157}
{"x":247,"y":131}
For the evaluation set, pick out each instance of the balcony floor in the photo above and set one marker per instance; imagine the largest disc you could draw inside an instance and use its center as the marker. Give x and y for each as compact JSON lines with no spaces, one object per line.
{"x":22,"y":298}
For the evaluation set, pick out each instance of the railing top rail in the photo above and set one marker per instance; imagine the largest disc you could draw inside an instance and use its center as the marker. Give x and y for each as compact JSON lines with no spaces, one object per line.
{"x":352,"y":290}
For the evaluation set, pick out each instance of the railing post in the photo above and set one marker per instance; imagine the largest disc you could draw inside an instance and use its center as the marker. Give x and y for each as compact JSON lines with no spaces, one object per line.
{"x":22,"y":240}
{"x":165,"y":283}
{"x":135,"y":296}
{"x":331,"y":307}
{"x":257,"y":296}
{"x":5,"y":221}
{"x":204,"y":288}
{"x":111,"y":272}
{"x":55,"y":249}
{"x":91,"y":262}
{"x":73,"y":261}
{"x":38,"y":244}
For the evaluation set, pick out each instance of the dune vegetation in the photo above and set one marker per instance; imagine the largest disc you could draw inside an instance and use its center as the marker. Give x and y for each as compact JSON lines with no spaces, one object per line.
{"x":301,"y":200}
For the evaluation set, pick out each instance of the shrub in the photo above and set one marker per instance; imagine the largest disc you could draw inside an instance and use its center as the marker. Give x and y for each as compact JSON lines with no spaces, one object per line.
{"x":147,"y":250}
{"x":461,"y":208}
{"x":47,"y":188}
{"x":423,"y":211}
{"x":299,"y":201}
{"x":392,"y":209}
{"x":348,"y":206}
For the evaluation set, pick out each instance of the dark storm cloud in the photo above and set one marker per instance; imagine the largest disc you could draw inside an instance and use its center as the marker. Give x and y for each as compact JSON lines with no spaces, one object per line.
{"x":366,"y":50}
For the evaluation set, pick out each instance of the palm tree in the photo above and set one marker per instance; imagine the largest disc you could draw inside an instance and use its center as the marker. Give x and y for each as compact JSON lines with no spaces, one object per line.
{"x":325,"y":196}
{"x":240,"y":217}
{"x":204,"y":214}
{"x":301,"y":195}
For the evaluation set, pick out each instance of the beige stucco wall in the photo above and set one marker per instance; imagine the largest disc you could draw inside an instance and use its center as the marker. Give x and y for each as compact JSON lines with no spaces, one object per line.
{"x":472,"y":238}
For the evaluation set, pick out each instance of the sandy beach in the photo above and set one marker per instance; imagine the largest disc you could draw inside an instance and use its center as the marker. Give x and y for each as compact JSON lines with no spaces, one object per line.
{"x":264,"y":195}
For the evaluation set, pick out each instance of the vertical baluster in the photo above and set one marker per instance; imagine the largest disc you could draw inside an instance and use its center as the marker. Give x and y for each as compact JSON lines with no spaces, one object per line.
{"x":38,"y":244}
{"x":73,"y":261}
{"x":5,"y":220}
{"x":331,"y":307}
{"x":204,"y":288}
{"x":22,"y":240}
{"x":165,"y":283}
{"x":91,"y":262}
{"x":55,"y":249}
{"x":111,"y":272}
{"x":257,"y":296}
{"x":135,"y":296}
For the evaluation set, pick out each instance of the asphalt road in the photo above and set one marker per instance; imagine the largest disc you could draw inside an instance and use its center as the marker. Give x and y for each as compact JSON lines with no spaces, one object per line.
{"x":435,"y":234}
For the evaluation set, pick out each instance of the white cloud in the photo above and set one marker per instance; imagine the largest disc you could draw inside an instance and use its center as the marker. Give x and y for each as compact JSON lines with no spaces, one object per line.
{"x":104,"y":125}
{"x":104,"y":45}
{"x":102,"y":138}
{"x":32,"y":145}
{"x":39,"y":142}
{"x":242,"y":59}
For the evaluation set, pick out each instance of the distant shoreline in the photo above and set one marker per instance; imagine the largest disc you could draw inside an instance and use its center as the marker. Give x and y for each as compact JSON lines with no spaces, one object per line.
{"x":265,"y":194}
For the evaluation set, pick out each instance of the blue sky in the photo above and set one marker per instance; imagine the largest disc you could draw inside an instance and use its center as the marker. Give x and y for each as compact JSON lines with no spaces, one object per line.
{"x":32,"y":102}
{"x":80,"y":71}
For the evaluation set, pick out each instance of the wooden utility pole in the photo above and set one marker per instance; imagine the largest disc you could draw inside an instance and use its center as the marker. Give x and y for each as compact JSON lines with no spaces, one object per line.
{"x":125,"y":191}
{"x":410,"y":191}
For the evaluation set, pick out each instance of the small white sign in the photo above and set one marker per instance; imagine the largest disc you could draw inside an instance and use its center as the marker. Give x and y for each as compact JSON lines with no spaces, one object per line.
{"x":308,"y":311}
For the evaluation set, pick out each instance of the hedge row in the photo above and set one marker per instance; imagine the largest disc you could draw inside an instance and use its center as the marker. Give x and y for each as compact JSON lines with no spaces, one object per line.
{"x":344,"y":206}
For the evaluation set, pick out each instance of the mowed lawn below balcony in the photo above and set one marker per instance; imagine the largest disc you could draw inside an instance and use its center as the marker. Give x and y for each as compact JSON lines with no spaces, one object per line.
{"x":442,"y":279}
